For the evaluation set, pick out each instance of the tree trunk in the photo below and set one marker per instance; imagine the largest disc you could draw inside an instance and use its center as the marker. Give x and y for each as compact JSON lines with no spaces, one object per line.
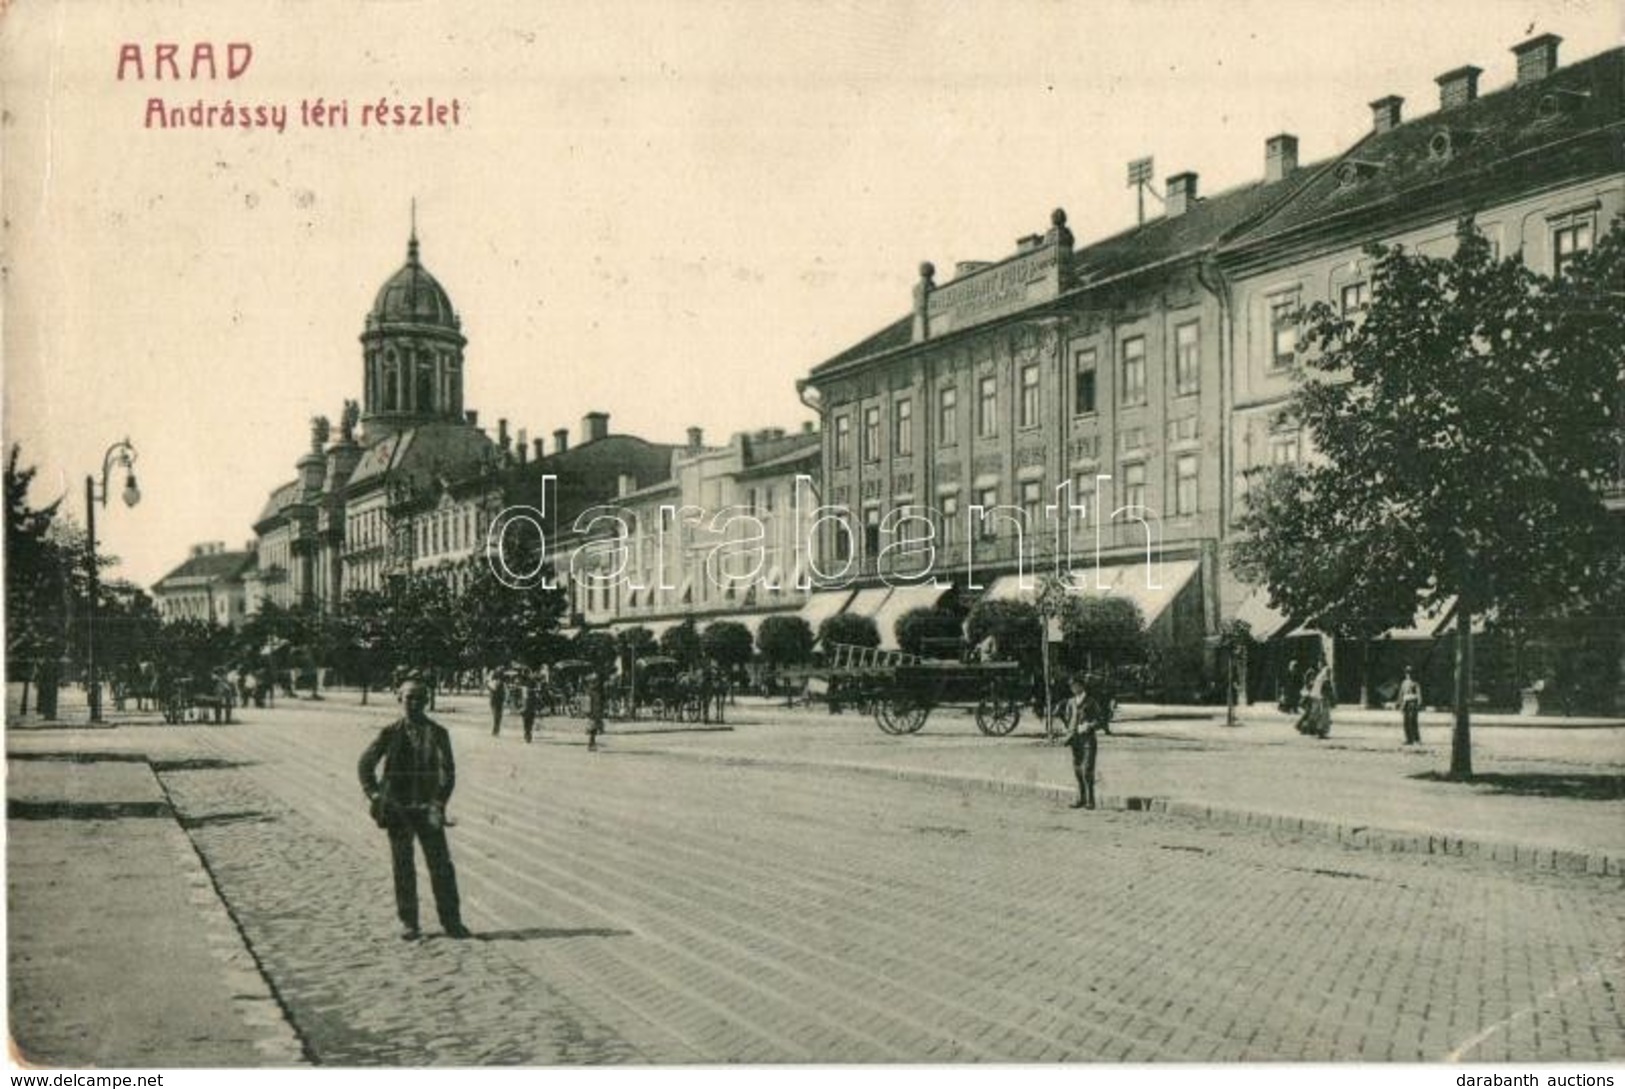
{"x":24,"y":709}
{"x":1365,"y":673}
{"x":1461,"y":741}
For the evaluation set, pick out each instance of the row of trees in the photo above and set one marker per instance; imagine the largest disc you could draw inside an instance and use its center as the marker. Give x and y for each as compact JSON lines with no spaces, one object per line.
{"x":1466,"y":426}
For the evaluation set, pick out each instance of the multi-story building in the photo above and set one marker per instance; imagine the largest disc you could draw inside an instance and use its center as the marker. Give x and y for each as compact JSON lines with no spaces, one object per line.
{"x":210,"y":586}
{"x":724,"y":534}
{"x":1139,"y":377}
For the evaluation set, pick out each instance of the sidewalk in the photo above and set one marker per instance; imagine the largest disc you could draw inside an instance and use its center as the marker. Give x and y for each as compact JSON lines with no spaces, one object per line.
{"x":120,"y":951}
{"x":1545,"y":798}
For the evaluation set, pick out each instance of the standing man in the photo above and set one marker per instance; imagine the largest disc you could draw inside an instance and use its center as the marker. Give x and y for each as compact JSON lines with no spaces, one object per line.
{"x":595,"y":710}
{"x":529,"y":701}
{"x":410,"y":804}
{"x":1084,"y":741}
{"x":497,"y":689}
{"x":1410,"y":708}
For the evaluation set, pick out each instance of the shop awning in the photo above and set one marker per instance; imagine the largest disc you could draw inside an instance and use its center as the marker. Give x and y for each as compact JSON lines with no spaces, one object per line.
{"x":1264,"y":622}
{"x":1427,"y":622}
{"x":1152,"y":588}
{"x":869,"y":600}
{"x":902,"y":600}
{"x":823,"y":605}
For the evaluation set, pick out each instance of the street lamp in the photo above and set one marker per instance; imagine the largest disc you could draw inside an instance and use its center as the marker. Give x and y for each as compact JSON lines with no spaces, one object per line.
{"x":120,"y":453}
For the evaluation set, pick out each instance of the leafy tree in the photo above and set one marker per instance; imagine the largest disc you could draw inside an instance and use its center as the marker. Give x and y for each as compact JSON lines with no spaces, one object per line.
{"x":44,"y":567}
{"x":682,"y":642}
{"x":1011,"y":623}
{"x":928,"y":625}
{"x":848,"y":629}
{"x":728,"y":643}
{"x":597,"y":647}
{"x":1102,"y":631}
{"x":635,"y":643}
{"x":1468,"y":421}
{"x":784,"y":640}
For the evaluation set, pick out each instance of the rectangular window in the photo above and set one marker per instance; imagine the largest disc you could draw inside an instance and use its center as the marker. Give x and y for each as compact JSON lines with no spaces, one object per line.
{"x":1032,"y":506}
{"x":988,"y":498}
{"x":987,"y":408}
{"x":1355,"y":298}
{"x":1185,"y":484}
{"x":871,"y":532}
{"x":948,"y":416}
{"x":1284,"y":448}
{"x":1029,"y":395}
{"x":1187,"y":358}
{"x":1083,"y":496}
{"x":1134,"y":484}
{"x":1083,"y":383}
{"x":949,"y":506}
{"x":871,"y":433}
{"x":1283,"y":331}
{"x":843,"y":540}
{"x":1133,"y":386}
{"x":902,"y":440}
{"x":1568,"y":243}
{"x":843,"y":440}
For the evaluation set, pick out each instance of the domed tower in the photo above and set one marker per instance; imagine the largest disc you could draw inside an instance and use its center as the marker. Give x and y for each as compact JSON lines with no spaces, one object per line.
{"x":413,"y":347}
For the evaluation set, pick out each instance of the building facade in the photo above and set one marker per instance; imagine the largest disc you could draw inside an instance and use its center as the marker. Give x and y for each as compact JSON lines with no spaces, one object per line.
{"x":1138,"y":379}
{"x":209,"y":586}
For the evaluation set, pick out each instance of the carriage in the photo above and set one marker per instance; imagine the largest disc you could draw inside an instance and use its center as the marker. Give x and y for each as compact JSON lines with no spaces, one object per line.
{"x":663,"y":686}
{"x":566,"y":690}
{"x":902,"y":690}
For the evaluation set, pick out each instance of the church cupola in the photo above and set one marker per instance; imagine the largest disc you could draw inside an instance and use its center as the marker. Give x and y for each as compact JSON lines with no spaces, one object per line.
{"x":413,"y":351}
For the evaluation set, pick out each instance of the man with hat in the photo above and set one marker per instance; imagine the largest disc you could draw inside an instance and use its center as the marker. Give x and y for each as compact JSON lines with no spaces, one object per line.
{"x":409,"y":802}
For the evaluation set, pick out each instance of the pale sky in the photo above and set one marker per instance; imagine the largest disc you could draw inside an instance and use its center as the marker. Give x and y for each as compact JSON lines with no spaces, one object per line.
{"x":665,"y":211}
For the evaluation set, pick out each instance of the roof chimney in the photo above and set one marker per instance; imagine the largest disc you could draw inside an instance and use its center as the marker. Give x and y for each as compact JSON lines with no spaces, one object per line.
{"x":540,"y":446}
{"x":1385,"y":113}
{"x":922,"y":300}
{"x":1458,"y":86}
{"x":1181,"y":194}
{"x":625,"y":484}
{"x":1029,"y":242}
{"x":695,"y":435}
{"x":1537,"y":58}
{"x":473,"y":418}
{"x":522,"y":447}
{"x":561,"y":440}
{"x":502,"y":435}
{"x":594,"y":426}
{"x":808,"y":427}
{"x":965,"y":268}
{"x":1280,"y":157}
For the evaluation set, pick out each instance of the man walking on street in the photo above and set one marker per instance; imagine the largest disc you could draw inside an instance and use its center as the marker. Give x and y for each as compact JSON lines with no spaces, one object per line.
{"x":497,"y":689}
{"x":1084,"y":741}
{"x":410,"y":804}
{"x":1410,"y":708}
{"x":529,"y":701}
{"x":595,"y":711}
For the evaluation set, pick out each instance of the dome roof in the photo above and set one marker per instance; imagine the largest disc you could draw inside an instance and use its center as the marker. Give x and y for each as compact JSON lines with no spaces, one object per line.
{"x":413,"y":297}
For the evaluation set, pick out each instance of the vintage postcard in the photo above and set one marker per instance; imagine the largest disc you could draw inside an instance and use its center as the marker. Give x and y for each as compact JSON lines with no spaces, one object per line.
{"x":672,"y":534}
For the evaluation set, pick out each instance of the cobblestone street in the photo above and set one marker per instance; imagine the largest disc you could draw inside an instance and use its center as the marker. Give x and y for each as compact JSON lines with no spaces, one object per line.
{"x":635,"y":908}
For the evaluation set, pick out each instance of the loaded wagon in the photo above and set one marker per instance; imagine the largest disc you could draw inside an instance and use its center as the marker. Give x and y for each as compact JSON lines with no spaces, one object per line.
{"x":902,"y":690}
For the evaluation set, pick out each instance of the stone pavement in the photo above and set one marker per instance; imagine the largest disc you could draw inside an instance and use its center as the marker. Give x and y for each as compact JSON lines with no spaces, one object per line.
{"x":118,"y":940}
{"x":1552,"y":797}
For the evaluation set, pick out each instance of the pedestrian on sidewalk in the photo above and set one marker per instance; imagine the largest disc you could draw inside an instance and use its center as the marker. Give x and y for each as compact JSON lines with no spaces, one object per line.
{"x":530,"y":700}
{"x":1316,"y":720}
{"x":1291,"y":689}
{"x":1084,"y":740}
{"x":595,"y":710}
{"x":1410,"y":708}
{"x":496,"y":689}
{"x":409,"y":803}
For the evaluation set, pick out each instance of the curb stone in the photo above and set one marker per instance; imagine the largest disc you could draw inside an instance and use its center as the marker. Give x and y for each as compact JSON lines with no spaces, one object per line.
{"x":1540,"y":859}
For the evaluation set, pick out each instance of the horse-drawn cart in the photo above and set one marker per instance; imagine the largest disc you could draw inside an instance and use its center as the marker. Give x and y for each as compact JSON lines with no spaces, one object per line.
{"x":903,"y":690}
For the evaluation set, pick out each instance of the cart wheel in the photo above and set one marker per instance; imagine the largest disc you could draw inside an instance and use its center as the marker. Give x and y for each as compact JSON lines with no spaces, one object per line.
{"x":900,"y":716}
{"x":997,"y":717}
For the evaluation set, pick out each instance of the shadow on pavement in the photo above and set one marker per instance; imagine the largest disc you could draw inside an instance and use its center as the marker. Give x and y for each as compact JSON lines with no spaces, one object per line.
{"x":1580,"y":786}
{"x":540,"y":933}
{"x":83,"y":811}
{"x":247,"y":817}
{"x":202,"y":763}
{"x":80,"y":757}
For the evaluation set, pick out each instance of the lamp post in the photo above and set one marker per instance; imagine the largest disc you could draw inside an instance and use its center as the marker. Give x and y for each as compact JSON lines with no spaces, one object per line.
{"x":120,"y":453}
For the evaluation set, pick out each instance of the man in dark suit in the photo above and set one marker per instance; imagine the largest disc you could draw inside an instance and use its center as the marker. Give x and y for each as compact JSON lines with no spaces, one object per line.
{"x":410,"y":803}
